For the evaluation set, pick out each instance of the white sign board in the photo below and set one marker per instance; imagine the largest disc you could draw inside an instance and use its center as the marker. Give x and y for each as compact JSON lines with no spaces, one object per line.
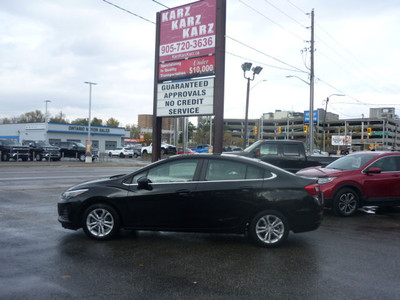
{"x":341,"y":140}
{"x":186,"y":98}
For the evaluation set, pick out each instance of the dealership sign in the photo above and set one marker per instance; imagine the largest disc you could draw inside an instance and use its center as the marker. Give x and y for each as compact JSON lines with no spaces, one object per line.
{"x":194,"y":67}
{"x":187,"y":31}
{"x":186,"y":98}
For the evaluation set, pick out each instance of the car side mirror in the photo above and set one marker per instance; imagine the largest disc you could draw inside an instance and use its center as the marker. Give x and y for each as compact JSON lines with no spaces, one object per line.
{"x":143,"y":183}
{"x":373,"y":170}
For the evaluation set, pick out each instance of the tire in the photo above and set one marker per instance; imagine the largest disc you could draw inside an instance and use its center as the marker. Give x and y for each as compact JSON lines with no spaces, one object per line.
{"x":144,"y":152}
{"x":5,"y":157}
{"x":135,"y":155}
{"x":24,"y":159}
{"x":121,"y":155}
{"x":100,"y":222}
{"x":269,"y":229}
{"x":164,"y":151}
{"x":110,"y":154}
{"x":38,"y":157}
{"x":346,"y":202}
{"x":82,"y":157}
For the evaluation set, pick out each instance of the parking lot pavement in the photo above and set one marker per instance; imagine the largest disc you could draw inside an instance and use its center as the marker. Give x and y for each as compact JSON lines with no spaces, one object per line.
{"x":346,"y":258}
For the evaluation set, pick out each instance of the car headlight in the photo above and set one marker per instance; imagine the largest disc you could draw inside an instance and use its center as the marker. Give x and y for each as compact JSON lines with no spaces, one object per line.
{"x":323,"y":180}
{"x":72,"y":194}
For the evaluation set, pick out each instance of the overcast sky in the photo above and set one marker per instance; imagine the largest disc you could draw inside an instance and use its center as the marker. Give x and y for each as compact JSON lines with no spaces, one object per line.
{"x":48,"y":49}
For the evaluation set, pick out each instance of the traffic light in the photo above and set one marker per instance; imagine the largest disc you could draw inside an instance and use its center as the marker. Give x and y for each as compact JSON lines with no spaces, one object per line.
{"x":255,"y":130}
{"x":305,"y":128}
{"x":369,"y":131}
{"x":279,"y":129}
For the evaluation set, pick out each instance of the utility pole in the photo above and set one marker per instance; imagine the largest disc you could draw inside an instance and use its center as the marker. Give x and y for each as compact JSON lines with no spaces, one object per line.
{"x":311,"y":127}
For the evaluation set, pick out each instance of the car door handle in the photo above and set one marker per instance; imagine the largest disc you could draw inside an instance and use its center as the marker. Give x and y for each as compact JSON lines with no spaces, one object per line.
{"x":184,"y":193}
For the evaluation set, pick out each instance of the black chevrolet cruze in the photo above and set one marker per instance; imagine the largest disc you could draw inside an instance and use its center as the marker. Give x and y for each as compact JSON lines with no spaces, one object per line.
{"x":197,"y":193}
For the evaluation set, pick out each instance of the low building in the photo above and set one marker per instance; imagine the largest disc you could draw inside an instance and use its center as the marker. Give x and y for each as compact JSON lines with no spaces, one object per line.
{"x":102,"y":137}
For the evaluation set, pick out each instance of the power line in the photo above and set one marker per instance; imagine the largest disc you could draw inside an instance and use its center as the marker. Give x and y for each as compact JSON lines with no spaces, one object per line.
{"x":272,"y":21}
{"x":128,"y":11}
{"x":295,"y":69}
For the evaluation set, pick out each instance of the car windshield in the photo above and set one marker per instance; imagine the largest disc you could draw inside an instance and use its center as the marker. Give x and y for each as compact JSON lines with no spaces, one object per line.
{"x":9,"y":142}
{"x":351,"y":162}
{"x":43,"y":144}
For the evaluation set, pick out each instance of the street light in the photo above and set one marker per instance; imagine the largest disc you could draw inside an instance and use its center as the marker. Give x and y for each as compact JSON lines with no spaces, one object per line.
{"x":256,"y":70}
{"x":45,"y":114}
{"x":89,"y":143}
{"x":326,"y":111}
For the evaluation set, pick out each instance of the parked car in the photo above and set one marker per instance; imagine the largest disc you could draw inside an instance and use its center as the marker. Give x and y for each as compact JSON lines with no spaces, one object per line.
{"x":137,"y":150}
{"x":42,"y":149}
{"x":187,"y":151}
{"x":197,"y":193}
{"x":231,"y":148}
{"x":359,"y":179}
{"x":286,"y":154}
{"x":76,"y":150}
{"x":165,"y":149}
{"x":10,"y":148}
{"x":203,"y":148}
{"x":319,"y":152}
{"x":121,"y":152}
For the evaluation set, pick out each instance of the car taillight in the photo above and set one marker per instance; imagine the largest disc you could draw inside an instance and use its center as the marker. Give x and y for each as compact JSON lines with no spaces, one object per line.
{"x":313,"y":189}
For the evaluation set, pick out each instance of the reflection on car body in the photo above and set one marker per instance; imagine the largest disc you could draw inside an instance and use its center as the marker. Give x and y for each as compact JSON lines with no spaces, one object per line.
{"x":197,"y":193}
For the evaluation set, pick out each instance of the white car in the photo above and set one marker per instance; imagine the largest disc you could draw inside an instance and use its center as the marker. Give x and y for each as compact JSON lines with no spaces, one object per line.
{"x":121,"y":152}
{"x":165,"y":149}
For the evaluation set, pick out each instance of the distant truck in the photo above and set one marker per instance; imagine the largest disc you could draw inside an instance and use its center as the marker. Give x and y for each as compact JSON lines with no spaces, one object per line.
{"x":165,"y":149}
{"x":286,"y":154}
{"x":42,"y":149}
{"x":10,"y":148}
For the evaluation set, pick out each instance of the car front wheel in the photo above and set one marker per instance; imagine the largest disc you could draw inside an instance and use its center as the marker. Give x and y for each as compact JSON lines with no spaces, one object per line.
{"x":82,"y":157}
{"x":346,"y":202}
{"x":269,"y":229}
{"x":100,"y":222}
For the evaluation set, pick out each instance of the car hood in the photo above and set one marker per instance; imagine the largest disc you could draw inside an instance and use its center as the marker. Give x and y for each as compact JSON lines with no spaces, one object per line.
{"x":95,"y":182}
{"x":318,"y":172}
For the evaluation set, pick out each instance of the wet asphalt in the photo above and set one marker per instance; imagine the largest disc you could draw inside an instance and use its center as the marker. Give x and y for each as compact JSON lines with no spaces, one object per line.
{"x":346,"y":258}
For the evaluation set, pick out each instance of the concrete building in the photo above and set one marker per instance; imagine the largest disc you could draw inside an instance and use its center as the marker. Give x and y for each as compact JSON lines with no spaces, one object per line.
{"x":102,"y":137}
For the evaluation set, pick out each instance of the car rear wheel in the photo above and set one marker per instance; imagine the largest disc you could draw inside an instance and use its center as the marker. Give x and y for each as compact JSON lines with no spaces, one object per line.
{"x":38,"y":157}
{"x":346,"y":202}
{"x":269,"y":229}
{"x":100,"y":222}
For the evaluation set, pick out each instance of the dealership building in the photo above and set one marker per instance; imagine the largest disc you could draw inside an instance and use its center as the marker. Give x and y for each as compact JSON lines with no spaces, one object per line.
{"x":102,"y":137}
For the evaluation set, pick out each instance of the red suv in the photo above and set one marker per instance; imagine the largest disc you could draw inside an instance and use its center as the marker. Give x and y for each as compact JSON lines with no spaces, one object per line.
{"x":359,"y":179}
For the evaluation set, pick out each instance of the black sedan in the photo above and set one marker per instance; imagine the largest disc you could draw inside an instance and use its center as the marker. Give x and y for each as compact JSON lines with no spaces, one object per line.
{"x":197,"y":193}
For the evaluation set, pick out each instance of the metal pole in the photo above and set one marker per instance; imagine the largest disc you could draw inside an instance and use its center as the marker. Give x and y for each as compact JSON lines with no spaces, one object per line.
{"x":246,"y":125}
{"x":45,"y":115}
{"x":89,"y":153}
{"x":311,"y":127}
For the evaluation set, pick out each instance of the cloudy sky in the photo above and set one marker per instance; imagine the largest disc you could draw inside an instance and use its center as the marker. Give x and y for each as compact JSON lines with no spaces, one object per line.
{"x":48,"y":49}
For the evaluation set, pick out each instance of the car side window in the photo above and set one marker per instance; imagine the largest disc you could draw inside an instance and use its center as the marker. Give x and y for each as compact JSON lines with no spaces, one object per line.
{"x":228,"y":170}
{"x":291,"y":150}
{"x":269,"y":149}
{"x":388,"y":164}
{"x":182,"y":171}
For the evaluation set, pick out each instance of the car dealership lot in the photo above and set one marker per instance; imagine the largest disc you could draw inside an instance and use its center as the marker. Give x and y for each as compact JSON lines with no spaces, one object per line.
{"x":345,"y":258}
